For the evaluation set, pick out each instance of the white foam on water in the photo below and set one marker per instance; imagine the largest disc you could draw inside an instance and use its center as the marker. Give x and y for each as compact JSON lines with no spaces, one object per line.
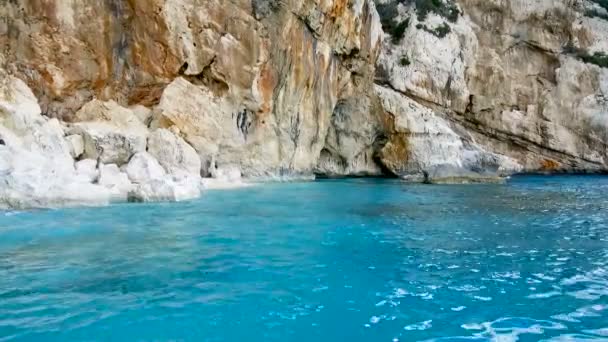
{"x":600,"y":332}
{"x":544,"y":295}
{"x":419,"y":326}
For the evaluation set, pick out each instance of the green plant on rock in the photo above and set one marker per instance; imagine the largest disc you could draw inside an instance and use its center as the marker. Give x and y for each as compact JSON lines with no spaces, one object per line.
{"x":593,"y":13}
{"x":445,"y":9}
{"x":389,"y":12}
{"x":388,"y":15}
{"x":602,"y":3}
{"x":442,"y":30}
{"x":399,"y":30}
{"x":598,"y":58}
{"x":439,"y":31}
{"x":404,"y":61}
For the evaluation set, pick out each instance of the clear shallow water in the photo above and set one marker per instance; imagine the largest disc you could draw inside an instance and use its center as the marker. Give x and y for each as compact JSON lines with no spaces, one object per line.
{"x":346,"y":260}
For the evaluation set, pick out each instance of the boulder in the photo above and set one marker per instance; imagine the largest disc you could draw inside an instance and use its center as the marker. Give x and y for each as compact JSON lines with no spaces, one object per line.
{"x":144,"y":114}
{"x":143,"y":167}
{"x":36,"y":169}
{"x":111,"y":133}
{"x":76,"y":145}
{"x":87,"y":170}
{"x":168,"y":188}
{"x":110,"y":112}
{"x":110,"y":143}
{"x":19,"y":109}
{"x":116,"y":181}
{"x":173,"y":152}
{"x":21,"y":115}
{"x":35,"y":181}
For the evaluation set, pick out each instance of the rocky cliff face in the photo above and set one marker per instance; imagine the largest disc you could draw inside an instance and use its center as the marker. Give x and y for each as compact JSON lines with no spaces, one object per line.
{"x":248,"y":83}
{"x":524,"y":79}
{"x":453,"y":90}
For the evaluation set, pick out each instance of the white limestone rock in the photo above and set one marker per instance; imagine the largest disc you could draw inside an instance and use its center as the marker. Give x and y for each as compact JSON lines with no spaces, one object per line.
{"x":230,"y":173}
{"x":425,"y":147}
{"x":144,"y":114}
{"x":350,"y":142}
{"x":173,"y":188}
{"x":35,"y":181}
{"x":76,"y":145}
{"x":20,"y":114}
{"x":110,"y":112}
{"x":19,"y":109}
{"x":109,"y":143}
{"x":143,"y":167}
{"x":37,"y":168}
{"x":116,"y":181}
{"x":181,"y":107}
{"x":224,"y":177}
{"x":111,"y":133}
{"x":173,"y":153}
{"x":87,"y":170}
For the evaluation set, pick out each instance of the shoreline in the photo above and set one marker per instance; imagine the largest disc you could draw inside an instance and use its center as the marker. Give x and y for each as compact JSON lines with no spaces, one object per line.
{"x":213,"y":185}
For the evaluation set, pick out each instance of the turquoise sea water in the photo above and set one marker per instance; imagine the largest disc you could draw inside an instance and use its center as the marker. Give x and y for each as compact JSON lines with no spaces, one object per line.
{"x":340,"y":260}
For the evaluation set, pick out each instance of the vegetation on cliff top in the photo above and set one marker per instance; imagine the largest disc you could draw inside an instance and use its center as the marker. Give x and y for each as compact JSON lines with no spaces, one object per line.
{"x":598,"y":58}
{"x":396,"y":28}
{"x":602,"y":3}
{"x":595,"y":13}
{"x":439,"y":31}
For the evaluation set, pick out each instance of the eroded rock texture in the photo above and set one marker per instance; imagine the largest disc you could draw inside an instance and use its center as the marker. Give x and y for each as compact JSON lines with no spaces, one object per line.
{"x":248,"y":83}
{"x":518,"y":77}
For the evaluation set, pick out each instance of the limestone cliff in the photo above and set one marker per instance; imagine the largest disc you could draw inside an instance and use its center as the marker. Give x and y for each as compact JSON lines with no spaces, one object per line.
{"x":525,"y":79}
{"x":251,"y":83}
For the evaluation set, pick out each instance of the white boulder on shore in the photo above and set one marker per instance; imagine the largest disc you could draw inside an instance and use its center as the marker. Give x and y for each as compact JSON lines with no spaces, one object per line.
{"x":168,"y":188}
{"x":144,"y":167}
{"x":36,"y":168}
{"x":108,"y":155}
{"x":173,"y":152}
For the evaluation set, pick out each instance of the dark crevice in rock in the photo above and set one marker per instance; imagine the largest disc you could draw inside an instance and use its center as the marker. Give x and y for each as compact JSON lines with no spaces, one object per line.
{"x":386,"y":171}
{"x":244,"y":121}
{"x":206,"y":78}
